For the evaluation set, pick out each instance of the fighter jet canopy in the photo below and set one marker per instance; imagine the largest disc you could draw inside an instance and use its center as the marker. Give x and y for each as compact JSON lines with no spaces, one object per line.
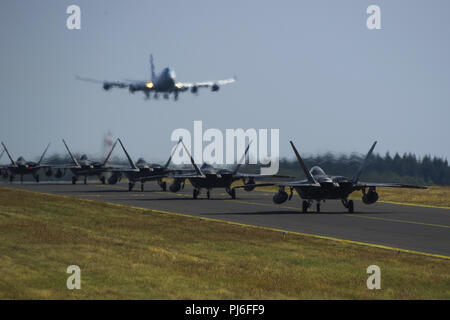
{"x":141,"y":161}
{"x":317,"y":171}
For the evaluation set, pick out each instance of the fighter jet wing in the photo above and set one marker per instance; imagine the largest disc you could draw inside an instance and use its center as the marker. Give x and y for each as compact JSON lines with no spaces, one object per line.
{"x":63,"y":166}
{"x":175,"y":174}
{"x":120,"y":168}
{"x":184,"y":175}
{"x":301,"y":183}
{"x":360,"y":185}
{"x":262,"y":177}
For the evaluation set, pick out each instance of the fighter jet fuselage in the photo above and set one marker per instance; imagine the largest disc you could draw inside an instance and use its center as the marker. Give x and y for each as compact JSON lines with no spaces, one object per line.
{"x":21,"y":167}
{"x":318,"y":186}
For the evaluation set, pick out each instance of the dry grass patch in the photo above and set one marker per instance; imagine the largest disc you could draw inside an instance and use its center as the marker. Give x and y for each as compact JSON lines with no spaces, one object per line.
{"x":127,"y":253}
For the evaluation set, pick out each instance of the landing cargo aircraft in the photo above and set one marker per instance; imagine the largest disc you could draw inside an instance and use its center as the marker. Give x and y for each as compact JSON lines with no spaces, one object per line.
{"x":22,"y":167}
{"x":163,"y":83}
{"x":85,"y":167}
{"x":208,"y":177}
{"x":319,"y":186}
{"x":143,"y":171}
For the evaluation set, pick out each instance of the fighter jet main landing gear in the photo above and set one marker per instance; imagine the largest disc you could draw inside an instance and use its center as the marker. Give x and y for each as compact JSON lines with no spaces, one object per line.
{"x":305,"y":205}
{"x":195,"y":193}
{"x":74,"y":180}
{"x":349,"y":205}
{"x":231,"y":192}
{"x":163,"y":185}
{"x":130,"y":186}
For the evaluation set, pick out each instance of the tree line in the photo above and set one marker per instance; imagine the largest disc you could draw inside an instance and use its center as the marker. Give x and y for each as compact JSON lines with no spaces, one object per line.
{"x":406,"y":168}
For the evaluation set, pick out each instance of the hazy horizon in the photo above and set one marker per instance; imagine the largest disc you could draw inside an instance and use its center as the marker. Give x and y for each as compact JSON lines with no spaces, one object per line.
{"x":311,"y":69}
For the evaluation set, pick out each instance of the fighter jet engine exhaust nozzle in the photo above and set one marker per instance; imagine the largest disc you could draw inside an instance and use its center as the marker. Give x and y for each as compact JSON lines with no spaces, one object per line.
{"x":280,"y":197}
{"x":370,"y":197}
{"x":175,"y":187}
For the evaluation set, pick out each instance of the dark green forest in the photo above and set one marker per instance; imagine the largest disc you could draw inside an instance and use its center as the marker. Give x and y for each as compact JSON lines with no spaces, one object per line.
{"x":406,"y":168}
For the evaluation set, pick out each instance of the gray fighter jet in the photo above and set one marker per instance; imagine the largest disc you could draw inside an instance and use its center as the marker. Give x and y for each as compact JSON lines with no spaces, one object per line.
{"x":207,"y":177}
{"x":143,"y":171}
{"x":319,"y":186}
{"x":85,"y":168}
{"x":22,"y":167}
{"x":163,"y":83}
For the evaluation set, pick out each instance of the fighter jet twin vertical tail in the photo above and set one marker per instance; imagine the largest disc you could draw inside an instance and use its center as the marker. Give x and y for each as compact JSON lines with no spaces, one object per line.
{"x":85,"y":168}
{"x":143,"y":171}
{"x":207,"y":177}
{"x":22,"y":167}
{"x":163,"y":83}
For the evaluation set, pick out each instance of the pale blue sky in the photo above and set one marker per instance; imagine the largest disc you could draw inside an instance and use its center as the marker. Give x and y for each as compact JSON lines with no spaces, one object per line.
{"x":310,"y":68}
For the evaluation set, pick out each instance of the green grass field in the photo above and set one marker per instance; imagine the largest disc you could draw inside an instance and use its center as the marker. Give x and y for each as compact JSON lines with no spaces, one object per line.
{"x":129,"y":253}
{"x":433,"y":196}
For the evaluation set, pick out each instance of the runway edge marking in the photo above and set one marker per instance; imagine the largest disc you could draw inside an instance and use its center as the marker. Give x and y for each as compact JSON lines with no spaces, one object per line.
{"x":373,"y":245}
{"x":349,"y":215}
{"x":381,"y":201}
